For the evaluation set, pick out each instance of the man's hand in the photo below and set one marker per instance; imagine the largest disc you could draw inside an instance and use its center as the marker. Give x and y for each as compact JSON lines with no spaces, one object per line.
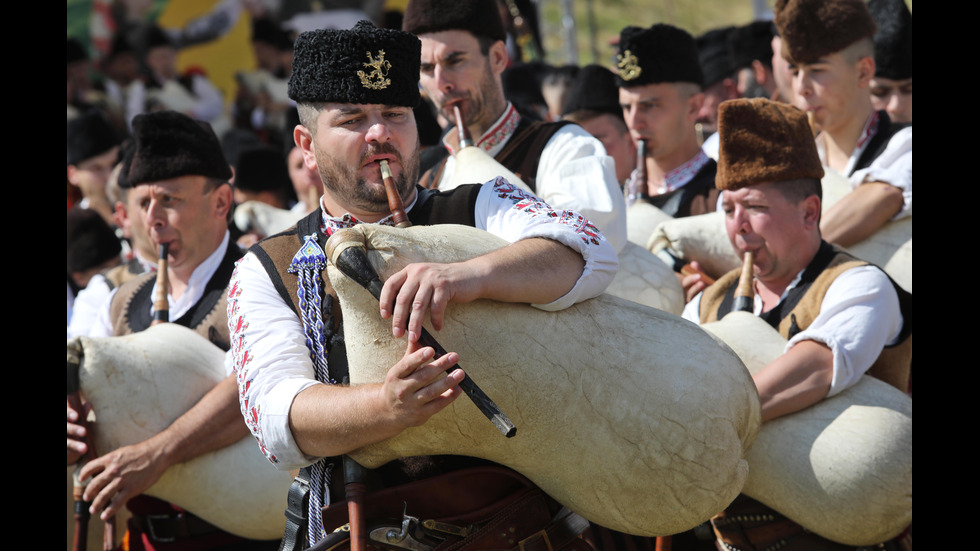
{"x":329,"y":420}
{"x":77,"y":433}
{"x":121,"y":475}
{"x":692,"y":283}
{"x":414,"y":388}
{"x":530,"y":271}
{"x":424,"y":289}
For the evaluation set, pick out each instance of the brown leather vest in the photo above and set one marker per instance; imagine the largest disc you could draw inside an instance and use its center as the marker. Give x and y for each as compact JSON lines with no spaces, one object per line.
{"x":798,"y":309}
{"x":130,"y":307}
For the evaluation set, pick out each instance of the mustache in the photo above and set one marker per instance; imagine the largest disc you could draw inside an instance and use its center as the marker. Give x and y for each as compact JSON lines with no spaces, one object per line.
{"x":381,"y":149}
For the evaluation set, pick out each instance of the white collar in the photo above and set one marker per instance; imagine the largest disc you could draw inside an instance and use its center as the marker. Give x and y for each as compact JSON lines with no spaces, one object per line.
{"x":197,"y":283}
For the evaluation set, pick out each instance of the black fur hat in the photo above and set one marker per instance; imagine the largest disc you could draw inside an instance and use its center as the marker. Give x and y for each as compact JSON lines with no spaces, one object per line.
{"x":91,"y":242}
{"x":893,"y":41}
{"x":170,"y":144}
{"x":361,"y":65}
{"x":715,"y":55}
{"x":89,"y":135}
{"x":594,"y":89}
{"x":752,"y":42}
{"x":479,"y":17}
{"x":261,"y":169}
{"x":662,"y":53}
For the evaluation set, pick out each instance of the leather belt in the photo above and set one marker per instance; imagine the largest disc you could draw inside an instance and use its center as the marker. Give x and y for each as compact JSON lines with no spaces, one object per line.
{"x":748,"y":525}
{"x":169,"y":528}
{"x":565,"y":528}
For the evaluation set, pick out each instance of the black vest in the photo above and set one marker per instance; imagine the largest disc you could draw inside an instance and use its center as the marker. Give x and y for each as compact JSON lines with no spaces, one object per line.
{"x":878,"y":143}
{"x":130,"y":309}
{"x":678,"y":203}
{"x":520,"y":155}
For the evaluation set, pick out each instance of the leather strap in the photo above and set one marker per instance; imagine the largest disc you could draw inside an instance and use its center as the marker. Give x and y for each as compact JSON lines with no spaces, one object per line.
{"x":297,"y":502}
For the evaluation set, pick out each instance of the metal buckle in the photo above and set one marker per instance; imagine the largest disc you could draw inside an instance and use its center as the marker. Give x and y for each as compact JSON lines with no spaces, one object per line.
{"x":544,"y":535}
{"x":152,"y":531}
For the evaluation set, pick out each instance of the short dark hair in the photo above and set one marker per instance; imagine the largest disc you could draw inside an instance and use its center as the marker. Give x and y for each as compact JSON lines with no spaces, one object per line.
{"x":799,"y":189}
{"x":485,"y":43}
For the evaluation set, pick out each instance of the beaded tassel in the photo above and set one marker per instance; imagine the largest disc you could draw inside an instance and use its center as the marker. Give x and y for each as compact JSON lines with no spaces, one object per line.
{"x":308,"y":263}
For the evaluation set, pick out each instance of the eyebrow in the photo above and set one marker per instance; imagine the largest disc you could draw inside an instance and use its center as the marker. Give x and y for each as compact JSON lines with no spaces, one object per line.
{"x":451,"y":56}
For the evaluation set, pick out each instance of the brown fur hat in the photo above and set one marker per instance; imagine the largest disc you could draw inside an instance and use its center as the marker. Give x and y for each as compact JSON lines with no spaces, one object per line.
{"x":763,"y":141}
{"x":479,"y":17}
{"x":812,"y":29}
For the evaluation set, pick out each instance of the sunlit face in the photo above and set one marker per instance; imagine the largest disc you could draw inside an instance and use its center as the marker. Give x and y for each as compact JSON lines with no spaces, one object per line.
{"x":306,"y":181}
{"x":455,"y":71}
{"x":132,"y":219}
{"x":893,"y":96}
{"x":662,"y":114}
{"x":713,"y":96}
{"x":92,"y":174}
{"x":349,"y":143}
{"x":180,"y":211}
{"x":759,"y":218}
{"x":781,"y":73}
{"x":828,"y":87}
{"x":615,"y":137}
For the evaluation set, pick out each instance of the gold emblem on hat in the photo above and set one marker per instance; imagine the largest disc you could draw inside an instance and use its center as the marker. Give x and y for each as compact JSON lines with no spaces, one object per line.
{"x":378,"y":78}
{"x":629,"y":66}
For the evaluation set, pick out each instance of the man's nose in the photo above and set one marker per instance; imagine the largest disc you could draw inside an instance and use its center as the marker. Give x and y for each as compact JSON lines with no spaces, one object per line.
{"x":443,"y":82}
{"x":378,"y":133}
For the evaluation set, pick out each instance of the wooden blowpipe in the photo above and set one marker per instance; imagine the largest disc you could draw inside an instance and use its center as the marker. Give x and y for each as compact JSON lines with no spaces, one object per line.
{"x":161,"y":306}
{"x":465,"y":140}
{"x":745,"y":292}
{"x":394,"y":199}
{"x":638,"y":185}
{"x":679,"y":265}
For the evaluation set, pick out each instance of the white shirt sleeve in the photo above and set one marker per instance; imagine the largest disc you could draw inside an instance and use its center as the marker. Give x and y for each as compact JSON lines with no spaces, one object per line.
{"x":513,"y":214}
{"x":88,"y":306}
{"x":858,"y":317}
{"x":270,"y":359}
{"x":575,"y":173}
{"x":893,"y":166}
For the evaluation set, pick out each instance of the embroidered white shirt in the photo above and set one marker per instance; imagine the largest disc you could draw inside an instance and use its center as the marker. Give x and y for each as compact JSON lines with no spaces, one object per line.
{"x":268,"y":349}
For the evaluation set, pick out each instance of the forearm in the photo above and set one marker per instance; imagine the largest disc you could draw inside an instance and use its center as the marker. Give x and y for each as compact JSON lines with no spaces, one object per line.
{"x":796,"y":380}
{"x":213,"y":423}
{"x":532,"y":271}
{"x":328,"y":420}
{"x":860,"y":213}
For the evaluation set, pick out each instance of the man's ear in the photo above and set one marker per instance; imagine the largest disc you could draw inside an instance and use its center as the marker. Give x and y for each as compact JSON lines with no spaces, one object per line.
{"x":866,"y":71}
{"x":498,"y":57}
{"x":120,"y":216}
{"x":694,"y":105}
{"x":811,"y":211}
{"x":304,"y":141}
{"x":223,"y":200}
{"x":72,"y":170}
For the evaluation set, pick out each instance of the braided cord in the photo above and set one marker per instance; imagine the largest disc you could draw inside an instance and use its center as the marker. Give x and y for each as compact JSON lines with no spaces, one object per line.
{"x":308,"y":263}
